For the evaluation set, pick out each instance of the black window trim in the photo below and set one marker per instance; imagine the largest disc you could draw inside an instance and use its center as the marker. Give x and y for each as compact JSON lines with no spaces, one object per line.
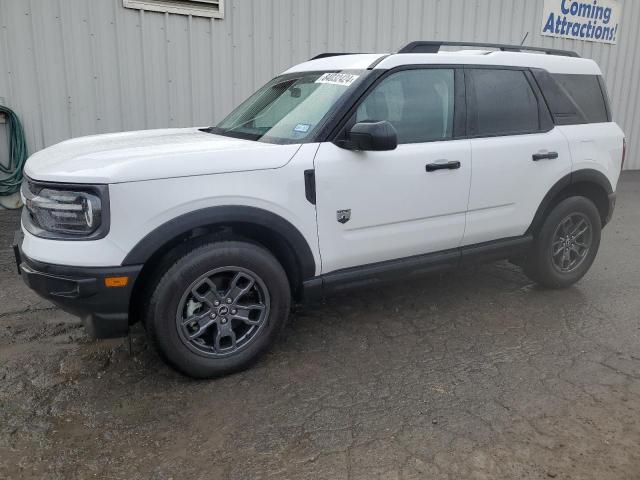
{"x":545,"y":121}
{"x":459,"y":102}
{"x":463,"y":102}
{"x":332,"y":125}
{"x":605,"y":97}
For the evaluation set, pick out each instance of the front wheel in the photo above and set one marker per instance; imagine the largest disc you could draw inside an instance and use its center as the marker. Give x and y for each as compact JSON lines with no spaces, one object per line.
{"x":218,"y":308}
{"x":566,"y":244}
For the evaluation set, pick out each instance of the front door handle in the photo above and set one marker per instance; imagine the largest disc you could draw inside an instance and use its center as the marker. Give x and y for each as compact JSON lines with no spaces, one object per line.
{"x":432,"y":167}
{"x":544,"y":156}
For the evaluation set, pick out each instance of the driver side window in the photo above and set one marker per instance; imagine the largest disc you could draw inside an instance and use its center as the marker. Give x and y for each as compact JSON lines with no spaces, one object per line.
{"x":418,"y":103}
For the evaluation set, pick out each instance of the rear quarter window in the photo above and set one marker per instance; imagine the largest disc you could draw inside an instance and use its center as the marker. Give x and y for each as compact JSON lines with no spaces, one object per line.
{"x":574,"y":99}
{"x":586,"y":93}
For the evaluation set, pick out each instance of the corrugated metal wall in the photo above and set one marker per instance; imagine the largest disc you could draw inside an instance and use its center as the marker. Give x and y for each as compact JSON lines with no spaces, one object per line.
{"x":77,"y":67}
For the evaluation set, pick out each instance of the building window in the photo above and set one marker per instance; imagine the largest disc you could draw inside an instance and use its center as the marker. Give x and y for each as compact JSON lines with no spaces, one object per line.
{"x":199,"y":8}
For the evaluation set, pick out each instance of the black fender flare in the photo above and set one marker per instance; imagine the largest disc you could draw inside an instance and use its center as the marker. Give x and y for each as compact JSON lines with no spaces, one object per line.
{"x":224,"y":215}
{"x":587,"y":175}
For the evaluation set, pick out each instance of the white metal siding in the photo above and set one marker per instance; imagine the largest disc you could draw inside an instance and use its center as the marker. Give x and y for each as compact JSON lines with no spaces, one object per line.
{"x":77,"y":67}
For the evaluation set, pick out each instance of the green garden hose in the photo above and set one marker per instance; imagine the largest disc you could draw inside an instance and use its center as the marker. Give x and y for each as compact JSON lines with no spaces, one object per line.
{"x":12,"y":172}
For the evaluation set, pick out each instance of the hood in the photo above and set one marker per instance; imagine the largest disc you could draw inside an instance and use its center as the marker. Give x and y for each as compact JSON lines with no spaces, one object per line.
{"x":152,"y":154}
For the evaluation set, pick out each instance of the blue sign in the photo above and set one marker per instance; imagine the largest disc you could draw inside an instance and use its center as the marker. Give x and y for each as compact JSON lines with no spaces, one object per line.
{"x":590,"y":20}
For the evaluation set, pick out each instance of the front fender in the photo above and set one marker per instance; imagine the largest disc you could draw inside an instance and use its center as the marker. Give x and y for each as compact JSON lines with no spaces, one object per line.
{"x":224,"y":215}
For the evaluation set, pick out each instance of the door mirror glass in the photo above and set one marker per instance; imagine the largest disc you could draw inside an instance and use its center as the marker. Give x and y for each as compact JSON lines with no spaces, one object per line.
{"x":374,"y":136}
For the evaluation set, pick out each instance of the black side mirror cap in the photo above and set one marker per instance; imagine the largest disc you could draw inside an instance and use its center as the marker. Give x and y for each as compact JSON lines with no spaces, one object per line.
{"x":373,"y":136}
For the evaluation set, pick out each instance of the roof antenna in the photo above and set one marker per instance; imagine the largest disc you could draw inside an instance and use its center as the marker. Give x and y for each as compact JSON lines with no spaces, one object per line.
{"x":524,"y":38}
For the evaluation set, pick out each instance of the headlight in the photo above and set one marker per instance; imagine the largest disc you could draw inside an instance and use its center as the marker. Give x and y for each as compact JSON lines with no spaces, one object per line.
{"x":65,"y":211}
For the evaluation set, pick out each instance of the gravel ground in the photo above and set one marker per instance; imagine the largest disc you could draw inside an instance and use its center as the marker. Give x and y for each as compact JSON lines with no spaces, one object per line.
{"x":471,"y":374}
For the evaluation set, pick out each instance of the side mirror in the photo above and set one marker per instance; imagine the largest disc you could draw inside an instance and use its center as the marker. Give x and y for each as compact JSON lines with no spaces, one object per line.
{"x":374,"y":136}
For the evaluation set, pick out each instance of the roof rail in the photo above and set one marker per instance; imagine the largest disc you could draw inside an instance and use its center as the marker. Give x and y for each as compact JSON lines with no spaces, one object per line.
{"x":330,"y":54}
{"x":434,"y":47}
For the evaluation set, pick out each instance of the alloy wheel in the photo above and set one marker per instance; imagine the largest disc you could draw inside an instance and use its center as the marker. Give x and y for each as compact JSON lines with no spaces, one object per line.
{"x":571,"y":242}
{"x":223,"y":311}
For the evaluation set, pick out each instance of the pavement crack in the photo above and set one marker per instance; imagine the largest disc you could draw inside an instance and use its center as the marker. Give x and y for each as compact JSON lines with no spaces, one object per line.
{"x":27,"y":310}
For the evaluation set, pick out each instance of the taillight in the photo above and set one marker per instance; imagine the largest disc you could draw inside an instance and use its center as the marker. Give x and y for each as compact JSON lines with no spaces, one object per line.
{"x":624,"y":152}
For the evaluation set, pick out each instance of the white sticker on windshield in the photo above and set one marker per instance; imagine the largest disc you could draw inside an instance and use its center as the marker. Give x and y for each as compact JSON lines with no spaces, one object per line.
{"x":344,"y":79}
{"x":302,"y":128}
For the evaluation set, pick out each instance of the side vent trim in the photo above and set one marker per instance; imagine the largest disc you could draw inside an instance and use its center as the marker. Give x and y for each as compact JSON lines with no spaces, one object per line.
{"x":310,"y":186}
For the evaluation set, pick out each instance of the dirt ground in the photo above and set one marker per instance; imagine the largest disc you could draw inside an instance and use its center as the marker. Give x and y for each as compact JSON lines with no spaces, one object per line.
{"x":469,"y":375}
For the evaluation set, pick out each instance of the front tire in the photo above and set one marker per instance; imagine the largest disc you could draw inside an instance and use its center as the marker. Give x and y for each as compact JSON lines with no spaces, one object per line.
{"x":566,"y":244}
{"x":218,"y":308}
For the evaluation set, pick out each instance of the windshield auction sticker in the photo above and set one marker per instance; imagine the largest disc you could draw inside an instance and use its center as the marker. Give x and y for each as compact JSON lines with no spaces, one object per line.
{"x":590,"y":20}
{"x":344,"y":79}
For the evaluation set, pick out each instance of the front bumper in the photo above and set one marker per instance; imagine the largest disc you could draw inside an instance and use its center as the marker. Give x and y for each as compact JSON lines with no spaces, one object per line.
{"x":81,"y":291}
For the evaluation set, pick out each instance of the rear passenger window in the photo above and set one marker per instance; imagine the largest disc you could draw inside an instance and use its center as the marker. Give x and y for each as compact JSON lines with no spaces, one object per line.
{"x":418,"y":103}
{"x":505,"y":103}
{"x":587,"y":95}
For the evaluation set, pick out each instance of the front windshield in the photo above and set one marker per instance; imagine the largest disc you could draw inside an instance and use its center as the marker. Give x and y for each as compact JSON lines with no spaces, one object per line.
{"x":290,"y":107}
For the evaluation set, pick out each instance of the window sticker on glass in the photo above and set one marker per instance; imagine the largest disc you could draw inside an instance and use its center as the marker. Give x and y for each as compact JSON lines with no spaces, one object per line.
{"x":302,"y":128}
{"x":345,"y":79}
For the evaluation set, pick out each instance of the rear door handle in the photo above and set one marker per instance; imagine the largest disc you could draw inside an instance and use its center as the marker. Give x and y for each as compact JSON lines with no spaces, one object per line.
{"x":432,"y":167}
{"x":544,"y":156}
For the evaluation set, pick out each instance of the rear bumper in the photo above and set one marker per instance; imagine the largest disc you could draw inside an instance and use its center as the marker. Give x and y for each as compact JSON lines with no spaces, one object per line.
{"x":81,"y":291}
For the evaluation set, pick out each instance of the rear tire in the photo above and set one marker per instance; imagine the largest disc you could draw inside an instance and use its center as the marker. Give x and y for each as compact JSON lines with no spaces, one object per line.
{"x":218,"y":308}
{"x":566,"y":244}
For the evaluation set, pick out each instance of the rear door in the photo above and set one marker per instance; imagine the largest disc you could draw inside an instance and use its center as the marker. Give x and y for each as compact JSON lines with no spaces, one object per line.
{"x":517,"y":153}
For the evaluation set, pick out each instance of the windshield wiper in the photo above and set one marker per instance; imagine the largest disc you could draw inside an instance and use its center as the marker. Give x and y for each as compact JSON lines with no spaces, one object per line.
{"x":231,"y":133}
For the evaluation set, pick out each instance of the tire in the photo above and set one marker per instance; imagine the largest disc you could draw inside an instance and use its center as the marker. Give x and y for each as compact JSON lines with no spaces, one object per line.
{"x":563,"y":270}
{"x":196,"y":288}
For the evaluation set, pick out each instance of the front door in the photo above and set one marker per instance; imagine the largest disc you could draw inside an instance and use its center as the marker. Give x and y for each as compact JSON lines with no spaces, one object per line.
{"x":377,"y":206}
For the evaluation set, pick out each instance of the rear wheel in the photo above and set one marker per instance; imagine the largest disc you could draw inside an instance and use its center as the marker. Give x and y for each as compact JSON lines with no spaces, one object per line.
{"x":218,"y":308}
{"x":566,"y":244}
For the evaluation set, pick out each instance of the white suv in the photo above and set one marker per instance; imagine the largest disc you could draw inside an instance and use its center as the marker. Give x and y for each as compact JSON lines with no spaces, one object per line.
{"x":343,"y":171}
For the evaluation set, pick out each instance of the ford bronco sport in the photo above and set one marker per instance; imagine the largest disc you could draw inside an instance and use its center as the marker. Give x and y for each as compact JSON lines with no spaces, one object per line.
{"x":344,"y":170}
